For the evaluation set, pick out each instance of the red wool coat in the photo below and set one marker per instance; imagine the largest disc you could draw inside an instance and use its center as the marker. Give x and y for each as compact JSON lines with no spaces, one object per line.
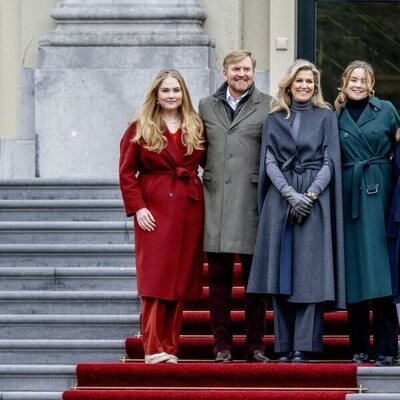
{"x":169,"y":260}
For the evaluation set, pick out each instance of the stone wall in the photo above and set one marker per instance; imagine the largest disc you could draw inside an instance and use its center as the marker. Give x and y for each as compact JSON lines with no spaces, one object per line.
{"x":85,"y":68}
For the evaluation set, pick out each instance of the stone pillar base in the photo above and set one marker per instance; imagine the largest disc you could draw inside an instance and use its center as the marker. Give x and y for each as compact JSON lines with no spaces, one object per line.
{"x":83,"y":113}
{"x":95,"y":69}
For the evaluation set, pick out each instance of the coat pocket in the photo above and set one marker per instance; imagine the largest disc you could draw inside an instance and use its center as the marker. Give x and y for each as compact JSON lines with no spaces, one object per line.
{"x":207,"y":176}
{"x":254,"y":178}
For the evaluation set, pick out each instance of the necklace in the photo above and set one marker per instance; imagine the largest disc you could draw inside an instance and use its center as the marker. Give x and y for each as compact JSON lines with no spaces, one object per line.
{"x":172,"y":121}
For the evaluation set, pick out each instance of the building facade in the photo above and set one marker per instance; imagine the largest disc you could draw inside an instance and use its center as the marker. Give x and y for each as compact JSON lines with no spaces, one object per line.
{"x":73,"y":72}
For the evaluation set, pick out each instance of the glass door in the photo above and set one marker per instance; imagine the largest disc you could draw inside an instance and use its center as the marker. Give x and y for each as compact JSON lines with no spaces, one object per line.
{"x":333,"y":33}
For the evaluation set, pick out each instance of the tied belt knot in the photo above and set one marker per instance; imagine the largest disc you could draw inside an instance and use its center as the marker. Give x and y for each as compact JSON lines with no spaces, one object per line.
{"x":298,"y":167}
{"x":182,"y":173}
{"x":362,"y":168}
{"x":189,"y":177}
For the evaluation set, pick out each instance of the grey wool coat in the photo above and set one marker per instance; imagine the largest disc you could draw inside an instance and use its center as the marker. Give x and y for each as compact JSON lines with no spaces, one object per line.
{"x":230,"y":174}
{"x":314,"y":251}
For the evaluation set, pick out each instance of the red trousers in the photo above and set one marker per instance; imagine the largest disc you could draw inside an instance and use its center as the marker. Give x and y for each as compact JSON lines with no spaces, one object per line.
{"x":161,"y":322}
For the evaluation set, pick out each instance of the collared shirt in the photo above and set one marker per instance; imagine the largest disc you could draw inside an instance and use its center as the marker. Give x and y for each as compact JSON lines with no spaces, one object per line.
{"x":231,"y":101}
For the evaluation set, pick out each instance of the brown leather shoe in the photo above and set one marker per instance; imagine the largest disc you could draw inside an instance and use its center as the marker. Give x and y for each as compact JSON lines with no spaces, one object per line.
{"x":223,"y":356}
{"x":258,"y":356}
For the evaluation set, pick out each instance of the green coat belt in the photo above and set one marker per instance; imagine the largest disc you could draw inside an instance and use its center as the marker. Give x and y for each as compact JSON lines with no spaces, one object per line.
{"x":362,"y":168}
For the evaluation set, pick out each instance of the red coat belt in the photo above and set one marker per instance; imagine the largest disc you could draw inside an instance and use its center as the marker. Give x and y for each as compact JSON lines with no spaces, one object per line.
{"x":187,"y":176}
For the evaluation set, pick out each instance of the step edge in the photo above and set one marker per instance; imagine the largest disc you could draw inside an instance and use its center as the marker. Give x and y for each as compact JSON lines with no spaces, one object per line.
{"x":62,"y":319}
{"x":70,"y":294}
{"x":66,"y":248}
{"x":64,"y":344}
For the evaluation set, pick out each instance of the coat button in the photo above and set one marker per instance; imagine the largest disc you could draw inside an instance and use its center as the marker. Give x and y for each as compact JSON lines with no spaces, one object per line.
{"x":170,"y":194}
{"x":229,"y":156}
{"x":229,"y":132}
{"x":346,"y":134}
{"x":228,"y":181}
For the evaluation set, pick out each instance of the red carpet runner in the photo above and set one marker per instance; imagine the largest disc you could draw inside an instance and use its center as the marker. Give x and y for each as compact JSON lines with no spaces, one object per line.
{"x":196,"y":377}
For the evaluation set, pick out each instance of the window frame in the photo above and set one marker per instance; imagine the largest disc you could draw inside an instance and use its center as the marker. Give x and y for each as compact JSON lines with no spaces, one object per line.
{"x":307,"y":25}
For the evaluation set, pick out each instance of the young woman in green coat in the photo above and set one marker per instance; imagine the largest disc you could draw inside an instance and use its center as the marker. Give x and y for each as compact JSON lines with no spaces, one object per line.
{"x":367,"y":127}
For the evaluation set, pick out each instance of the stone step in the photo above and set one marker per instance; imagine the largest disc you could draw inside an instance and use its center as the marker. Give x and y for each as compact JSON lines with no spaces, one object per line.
{"x":67,"y":278}
{"x":373,"y":396}
{"x":380,"y":380}
{"x":62,"y":210}
{"x":69,"y":302}
{"x":31,"y":395}
{"x":60,"y":255}
{"x":65,"y":232}
{"x":30,"y":378}
{"x":16,"y":352}
{"x":98,"y":327}
{"x":59,"y":188}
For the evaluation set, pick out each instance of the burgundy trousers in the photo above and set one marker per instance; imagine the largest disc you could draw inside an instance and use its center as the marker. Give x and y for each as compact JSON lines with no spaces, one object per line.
{"x":220,"y":274}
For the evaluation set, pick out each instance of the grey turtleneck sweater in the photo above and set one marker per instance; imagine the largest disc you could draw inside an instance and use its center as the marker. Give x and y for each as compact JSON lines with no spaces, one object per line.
{"x":323,"y":177}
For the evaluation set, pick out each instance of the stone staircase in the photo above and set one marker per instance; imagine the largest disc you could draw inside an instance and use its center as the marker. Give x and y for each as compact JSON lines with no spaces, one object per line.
{"x":68,"y":289}
{"x":67,"y":282}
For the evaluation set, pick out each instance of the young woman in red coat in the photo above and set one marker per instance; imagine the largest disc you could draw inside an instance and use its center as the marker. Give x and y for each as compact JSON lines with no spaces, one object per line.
{"x":160,"y":154}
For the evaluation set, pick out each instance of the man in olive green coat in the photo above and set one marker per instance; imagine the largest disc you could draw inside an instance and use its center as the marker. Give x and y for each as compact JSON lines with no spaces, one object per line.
{"x":233,"y":118}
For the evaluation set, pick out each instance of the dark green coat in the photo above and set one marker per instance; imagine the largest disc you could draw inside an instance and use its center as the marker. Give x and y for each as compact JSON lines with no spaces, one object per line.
{"x":367,"y":185}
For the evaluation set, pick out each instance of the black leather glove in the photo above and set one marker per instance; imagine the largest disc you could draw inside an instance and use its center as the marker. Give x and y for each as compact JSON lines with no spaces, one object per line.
{"x":295,"y":218}
{"x":300,"y":202}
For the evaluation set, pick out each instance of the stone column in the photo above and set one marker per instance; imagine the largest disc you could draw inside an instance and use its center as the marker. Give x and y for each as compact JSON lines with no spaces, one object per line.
{"x":95,"y":68}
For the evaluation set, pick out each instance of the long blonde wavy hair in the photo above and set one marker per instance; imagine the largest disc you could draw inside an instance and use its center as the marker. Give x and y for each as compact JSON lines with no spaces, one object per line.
{"x":150,"y":126}
{"x":283,"y":99}
{"x":369,"y":81}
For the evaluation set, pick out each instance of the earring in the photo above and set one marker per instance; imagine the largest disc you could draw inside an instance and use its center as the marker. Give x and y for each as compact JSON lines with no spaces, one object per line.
{"x":371,"y":93}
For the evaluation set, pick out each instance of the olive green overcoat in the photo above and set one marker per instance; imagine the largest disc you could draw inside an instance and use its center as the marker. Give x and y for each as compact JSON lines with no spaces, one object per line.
{"x":230,"y":175}
{"x":366,"y":148}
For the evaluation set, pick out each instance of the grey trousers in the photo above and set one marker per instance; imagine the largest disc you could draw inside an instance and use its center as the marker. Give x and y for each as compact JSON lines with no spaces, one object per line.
{"x":298,"y":326}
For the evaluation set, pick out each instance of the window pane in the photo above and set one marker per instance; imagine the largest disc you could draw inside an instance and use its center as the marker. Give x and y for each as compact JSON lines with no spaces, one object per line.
{"x":368,"y":31}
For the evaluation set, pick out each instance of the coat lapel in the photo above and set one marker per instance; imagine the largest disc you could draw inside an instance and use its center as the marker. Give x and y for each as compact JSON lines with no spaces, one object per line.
{"x":248,"y":108}
{"x":289,"y":122}
{"x":173,"y":150}
{"x":348,"y":124}
{"x":221,"y":114}
{"x":287,"y":125}
{"x":366,"y":116}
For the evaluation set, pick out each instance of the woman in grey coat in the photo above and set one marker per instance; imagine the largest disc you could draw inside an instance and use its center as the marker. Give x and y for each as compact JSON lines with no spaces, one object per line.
{"x":298,"y":255}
